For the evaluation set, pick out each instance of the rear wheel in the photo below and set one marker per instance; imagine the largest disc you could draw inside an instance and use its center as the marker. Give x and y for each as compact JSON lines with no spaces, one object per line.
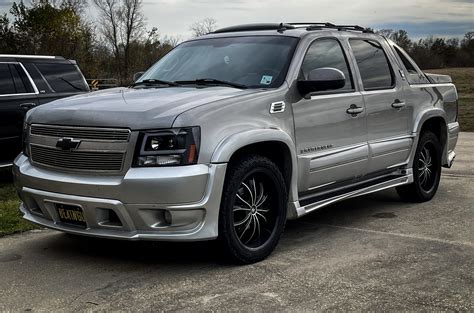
{"x":253,"y":209}
{"x":426,"y":170}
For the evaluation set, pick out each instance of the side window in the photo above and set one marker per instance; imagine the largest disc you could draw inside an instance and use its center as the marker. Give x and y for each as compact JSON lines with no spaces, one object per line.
{"x":22,"y":84}
{"x":408,"y":65}
{"x":6,"y":81}
{"x":62,"y":77}
{"x":326,"y":53}
{"x":373,"y":64}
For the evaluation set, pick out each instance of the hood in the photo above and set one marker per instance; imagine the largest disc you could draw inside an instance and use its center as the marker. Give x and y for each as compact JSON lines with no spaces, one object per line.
{"x":130,"y":108}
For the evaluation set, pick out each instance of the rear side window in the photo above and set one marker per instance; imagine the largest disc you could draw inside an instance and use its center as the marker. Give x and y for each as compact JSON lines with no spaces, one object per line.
{"x":408,"y":65}
{"x":22,"y":84}
{"x":7,"y":87}
{"x":373,"y":64}
{"x":62,"y":77}
{"x":326,"y":53}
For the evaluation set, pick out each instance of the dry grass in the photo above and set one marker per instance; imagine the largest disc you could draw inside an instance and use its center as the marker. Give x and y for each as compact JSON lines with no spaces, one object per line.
{"x":10,"y":217}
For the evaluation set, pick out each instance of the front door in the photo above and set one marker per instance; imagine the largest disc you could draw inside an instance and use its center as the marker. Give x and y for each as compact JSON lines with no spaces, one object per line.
{"x":330,"y":127}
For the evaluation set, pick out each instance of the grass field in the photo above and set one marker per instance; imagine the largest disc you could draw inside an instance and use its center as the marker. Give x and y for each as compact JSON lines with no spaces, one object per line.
{"x":464,"y":80}
{"x":10,"y":218}
{"x":11,"y":222}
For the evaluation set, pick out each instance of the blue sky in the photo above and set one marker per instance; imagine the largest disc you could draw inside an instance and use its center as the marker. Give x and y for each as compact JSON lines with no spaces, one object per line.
{"x":421,"y":18}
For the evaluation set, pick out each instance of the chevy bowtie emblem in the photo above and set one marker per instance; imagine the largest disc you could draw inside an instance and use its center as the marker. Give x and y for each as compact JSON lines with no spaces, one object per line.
{"x":68,"y":144}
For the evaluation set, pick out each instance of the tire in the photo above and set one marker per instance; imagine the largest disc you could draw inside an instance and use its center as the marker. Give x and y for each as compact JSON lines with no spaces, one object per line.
{"x":426,"y":170}
{"x":253,"y":210}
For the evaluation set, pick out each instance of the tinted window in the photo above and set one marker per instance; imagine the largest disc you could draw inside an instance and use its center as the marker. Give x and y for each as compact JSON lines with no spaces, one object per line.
{"x":22,"y":84}
{"x":408,"y":65}
{"x":6,"y":80}
{"x":326,"y":53}
{"x":62,"y":77}
{"x":373,"y":64}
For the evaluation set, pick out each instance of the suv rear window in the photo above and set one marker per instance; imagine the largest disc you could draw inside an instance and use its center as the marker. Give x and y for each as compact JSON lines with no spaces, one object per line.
{"x":373,"y":64}
{"x":62,"y":77}
{"x":7,"y":87}
{"x":408,"y":65}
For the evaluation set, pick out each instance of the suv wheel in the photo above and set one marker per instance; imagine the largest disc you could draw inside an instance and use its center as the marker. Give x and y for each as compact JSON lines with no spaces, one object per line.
{"x":253,"y":209}
{"x":426,"y":170}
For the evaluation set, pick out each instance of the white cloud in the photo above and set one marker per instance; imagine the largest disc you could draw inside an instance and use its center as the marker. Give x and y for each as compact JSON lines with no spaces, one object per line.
{"x":175,"y":16}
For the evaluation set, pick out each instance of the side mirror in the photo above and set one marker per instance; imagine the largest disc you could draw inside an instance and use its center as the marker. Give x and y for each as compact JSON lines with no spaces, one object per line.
{"x":137,"y":76}
{"x":321,"y":79}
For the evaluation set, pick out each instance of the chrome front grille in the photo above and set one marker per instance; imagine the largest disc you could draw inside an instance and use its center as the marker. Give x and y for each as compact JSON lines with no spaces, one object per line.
{"x":77,"y":160}
{"x":100,"y":150}
{"x":103,"y":134}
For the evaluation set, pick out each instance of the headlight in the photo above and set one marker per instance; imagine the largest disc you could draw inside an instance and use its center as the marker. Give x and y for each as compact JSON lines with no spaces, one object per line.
{"x":171,"y":147}
{"x":25,"y":138}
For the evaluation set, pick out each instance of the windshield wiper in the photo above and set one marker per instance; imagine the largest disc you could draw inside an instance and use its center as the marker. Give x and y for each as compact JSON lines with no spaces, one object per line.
{"x":70,"y":84}
{"x":210,"y":81}
{"x":154,"y":82}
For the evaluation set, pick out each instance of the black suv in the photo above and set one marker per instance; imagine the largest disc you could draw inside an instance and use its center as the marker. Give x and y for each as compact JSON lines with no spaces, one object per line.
{"x":25,"y":82}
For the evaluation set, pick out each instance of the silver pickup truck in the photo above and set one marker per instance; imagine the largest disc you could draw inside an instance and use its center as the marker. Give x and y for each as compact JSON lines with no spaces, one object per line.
{"x":233,"y":133}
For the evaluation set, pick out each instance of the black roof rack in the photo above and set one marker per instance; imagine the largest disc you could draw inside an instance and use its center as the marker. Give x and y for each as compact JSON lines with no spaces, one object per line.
{"x":286,"y":26}
{"x":317,"y":26}
{"x":255,"y":27}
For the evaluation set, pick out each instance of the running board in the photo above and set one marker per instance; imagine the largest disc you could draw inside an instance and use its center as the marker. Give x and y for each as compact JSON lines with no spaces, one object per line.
{"x":5,"y":165}
{"x":392,"y":182}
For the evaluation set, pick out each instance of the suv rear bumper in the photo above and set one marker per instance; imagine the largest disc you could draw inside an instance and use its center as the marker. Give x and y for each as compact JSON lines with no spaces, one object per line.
{"x":143,"y":201}
{"x":452,"y":140}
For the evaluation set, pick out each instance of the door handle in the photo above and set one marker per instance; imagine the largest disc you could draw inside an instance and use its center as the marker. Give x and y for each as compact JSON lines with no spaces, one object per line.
{"x":27,"y":106}
{"x":398,"y":104}
{"x":354,"y":110}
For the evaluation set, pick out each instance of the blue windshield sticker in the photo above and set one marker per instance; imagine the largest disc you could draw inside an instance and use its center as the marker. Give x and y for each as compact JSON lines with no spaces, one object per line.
{"x":266,"y":80}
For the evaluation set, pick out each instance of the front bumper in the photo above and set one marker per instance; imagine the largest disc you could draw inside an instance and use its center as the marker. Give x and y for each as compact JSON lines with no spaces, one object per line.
{"x":190,"y":195}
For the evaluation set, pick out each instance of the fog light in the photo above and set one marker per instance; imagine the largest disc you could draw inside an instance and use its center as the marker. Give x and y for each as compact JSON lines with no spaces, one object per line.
{"x":159,"y":160}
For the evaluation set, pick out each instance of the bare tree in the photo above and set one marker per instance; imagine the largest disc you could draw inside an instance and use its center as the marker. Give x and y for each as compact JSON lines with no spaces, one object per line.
{"x":172,"y":41}
{"x":121,"y":22}
{"x":203,"y":27}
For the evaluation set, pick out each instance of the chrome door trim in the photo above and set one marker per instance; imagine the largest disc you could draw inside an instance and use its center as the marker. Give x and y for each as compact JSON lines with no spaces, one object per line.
{"x":332,"y":151}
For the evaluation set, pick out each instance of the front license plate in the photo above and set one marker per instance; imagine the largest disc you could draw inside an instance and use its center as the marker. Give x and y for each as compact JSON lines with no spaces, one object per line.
{"x":71,"y":214}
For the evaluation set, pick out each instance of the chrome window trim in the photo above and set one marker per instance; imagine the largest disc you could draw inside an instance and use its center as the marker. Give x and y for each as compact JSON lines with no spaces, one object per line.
{"x":36,"y":92}
{"x":336,"y":95}
{"x":27,"y":56}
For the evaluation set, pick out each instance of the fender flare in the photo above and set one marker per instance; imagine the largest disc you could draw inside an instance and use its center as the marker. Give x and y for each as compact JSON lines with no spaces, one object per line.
{"x":425,"y":115}
{"x":228,"y":146}
{"x":420,"y":120}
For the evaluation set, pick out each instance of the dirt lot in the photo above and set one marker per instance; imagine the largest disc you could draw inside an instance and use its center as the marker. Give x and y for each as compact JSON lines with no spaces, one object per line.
{"x":372,"y":253}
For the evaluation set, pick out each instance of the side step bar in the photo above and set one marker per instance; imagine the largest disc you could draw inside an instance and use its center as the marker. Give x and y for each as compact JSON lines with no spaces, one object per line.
{"x":378,"y":186}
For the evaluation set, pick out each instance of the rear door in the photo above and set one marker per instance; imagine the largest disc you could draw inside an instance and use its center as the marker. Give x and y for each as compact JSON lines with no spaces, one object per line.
{"x":331,"y":142}
{"x":17,"y":96}
{"x":389,"y":137}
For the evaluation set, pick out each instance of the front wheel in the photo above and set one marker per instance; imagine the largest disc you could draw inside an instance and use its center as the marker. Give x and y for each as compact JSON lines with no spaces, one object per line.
{"x":426,"y":170}
{"x":253,"y":209}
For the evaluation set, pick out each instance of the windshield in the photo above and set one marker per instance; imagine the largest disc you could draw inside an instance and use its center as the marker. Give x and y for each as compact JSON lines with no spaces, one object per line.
{"x":254,"y":62}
